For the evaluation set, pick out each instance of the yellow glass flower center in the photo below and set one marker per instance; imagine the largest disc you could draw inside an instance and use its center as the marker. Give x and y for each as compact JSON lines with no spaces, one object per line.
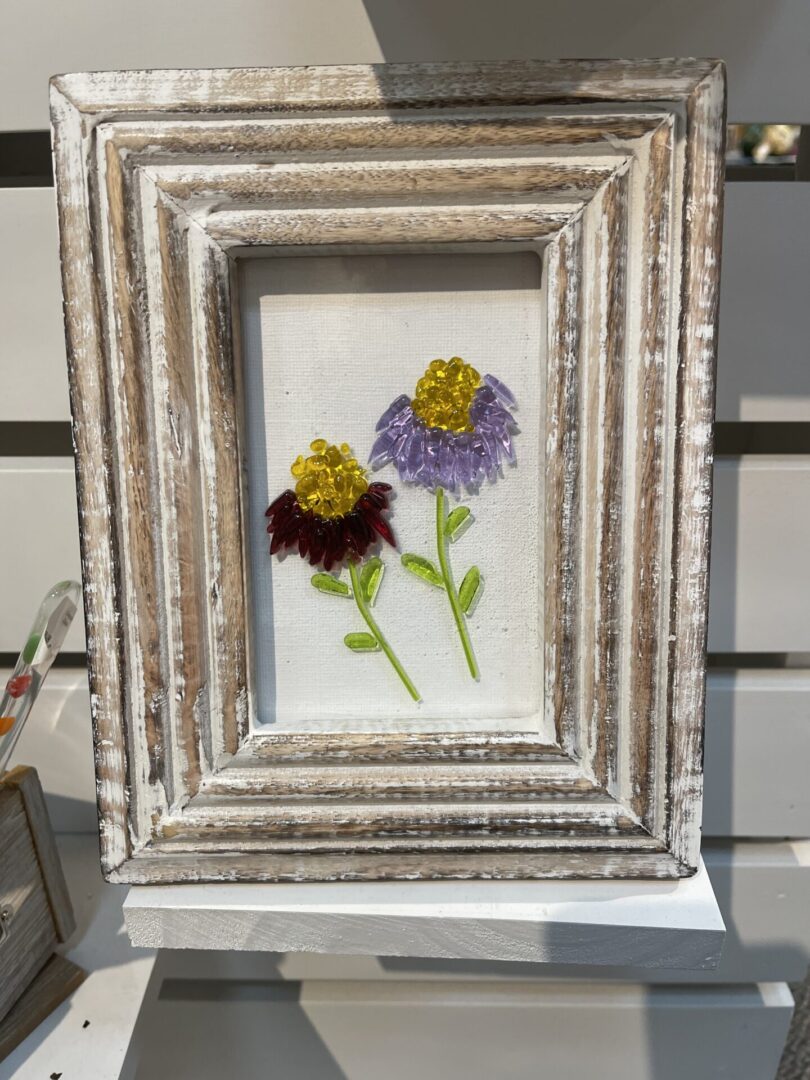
{"x":444,"y":394}
{"x":330,"y":481}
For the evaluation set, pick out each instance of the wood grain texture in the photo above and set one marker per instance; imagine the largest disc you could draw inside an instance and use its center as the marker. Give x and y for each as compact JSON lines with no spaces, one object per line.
{"x":648,"y":366}
{"x":55,"y":982}
{"x":692,"y":496}
{"x":29,"y":932}
{"x":363,"y":88}
{"x":611,"y":172}
{"x":91,"y":399}
{"x":750,"y":882}
{"x":25,"y":781}
{"x":563,"y":281}
{"x":754,"y":787}
{"x":602,"y":419}
{"x":768,"y":76}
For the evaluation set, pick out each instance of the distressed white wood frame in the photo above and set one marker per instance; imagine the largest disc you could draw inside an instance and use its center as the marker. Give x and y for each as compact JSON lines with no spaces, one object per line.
{"x":612,"y":171}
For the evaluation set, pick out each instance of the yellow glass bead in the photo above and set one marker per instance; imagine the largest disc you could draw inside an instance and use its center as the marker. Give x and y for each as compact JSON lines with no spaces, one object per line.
{"x":444,"y":394}
{"x":330,"y":481}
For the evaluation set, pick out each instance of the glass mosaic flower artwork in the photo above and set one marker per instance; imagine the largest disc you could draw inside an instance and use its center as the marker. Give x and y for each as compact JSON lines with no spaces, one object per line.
{"x":455,"y":432}
{"x":334,"y":516}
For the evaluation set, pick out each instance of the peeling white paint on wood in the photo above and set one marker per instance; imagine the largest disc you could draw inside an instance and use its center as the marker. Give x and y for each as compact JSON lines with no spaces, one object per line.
{"x":154,"y":170}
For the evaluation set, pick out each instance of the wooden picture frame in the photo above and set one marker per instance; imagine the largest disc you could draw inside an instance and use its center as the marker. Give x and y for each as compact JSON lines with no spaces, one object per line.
{"x":613,"y":172}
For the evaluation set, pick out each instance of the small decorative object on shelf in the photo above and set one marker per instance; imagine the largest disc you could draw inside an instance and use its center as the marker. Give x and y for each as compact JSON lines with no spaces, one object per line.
{"x":451,"y":435}
{"x":35,"y":908}
{"x":335,"y":515}
{"x":44,"y":641}
{"x":763,"y":144}
{"x":35,"y":912}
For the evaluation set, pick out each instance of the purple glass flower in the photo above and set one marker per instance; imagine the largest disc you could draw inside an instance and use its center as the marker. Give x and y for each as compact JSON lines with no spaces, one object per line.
{"x":453,"y":434}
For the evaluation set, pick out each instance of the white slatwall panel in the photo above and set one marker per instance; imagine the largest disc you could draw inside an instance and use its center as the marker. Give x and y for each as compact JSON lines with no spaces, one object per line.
{"x":763,"y":890}
{"x":89,"y":35}
{"x":465,"y":1031}
{"x":32,"y":341}
{"x":760,"y":569}
{"x":763,"y":367}
{"x":763,"y":44}
{"x":39,"y":543}
{"x":757,"y":753}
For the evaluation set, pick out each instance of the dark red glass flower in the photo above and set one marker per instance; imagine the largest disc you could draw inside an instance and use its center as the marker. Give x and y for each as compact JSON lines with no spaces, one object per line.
{"x":329,"y":540}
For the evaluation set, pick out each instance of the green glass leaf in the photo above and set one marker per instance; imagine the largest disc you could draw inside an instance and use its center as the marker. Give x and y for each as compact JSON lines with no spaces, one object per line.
{"x":469,"y":588}
{"x":31,"y":646}
{"x":458,"y":522}
{"x":362,"y":642}
{"x":328,"y":584}
{"x":371,"y":577}
{"x":424,"y":569}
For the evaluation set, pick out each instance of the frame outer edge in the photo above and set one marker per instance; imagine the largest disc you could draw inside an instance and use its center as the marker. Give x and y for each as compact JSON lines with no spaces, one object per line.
{"x":373,"y":86}
{"x":94,"y":474}
{"x":697,"y":355}
{"x":85,"y":325}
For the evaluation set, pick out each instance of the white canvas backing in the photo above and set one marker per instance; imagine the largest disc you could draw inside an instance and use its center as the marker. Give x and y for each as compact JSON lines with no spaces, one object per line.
{"x":328,"y":343}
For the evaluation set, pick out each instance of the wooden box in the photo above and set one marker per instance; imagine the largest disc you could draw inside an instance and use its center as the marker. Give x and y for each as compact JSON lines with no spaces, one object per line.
{"x":35,"y":910}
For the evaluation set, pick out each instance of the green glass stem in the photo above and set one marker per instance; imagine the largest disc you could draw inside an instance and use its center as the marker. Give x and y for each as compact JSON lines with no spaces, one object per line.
{"x":452,"y":592}
{"x":363,"y":608}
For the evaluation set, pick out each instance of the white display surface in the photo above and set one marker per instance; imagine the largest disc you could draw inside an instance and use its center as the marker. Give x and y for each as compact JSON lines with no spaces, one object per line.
{"x":329,"y":342}
{"x":653,"y":924}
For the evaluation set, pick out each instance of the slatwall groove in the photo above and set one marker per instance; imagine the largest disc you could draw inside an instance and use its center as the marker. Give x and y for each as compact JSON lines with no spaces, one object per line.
{"x":25,"y":159}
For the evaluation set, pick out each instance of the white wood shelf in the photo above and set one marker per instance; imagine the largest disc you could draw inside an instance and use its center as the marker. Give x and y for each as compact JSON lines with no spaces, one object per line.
{"x":111,"y":996}
{"x":763,"y":890}
{"x":645,"y":924}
